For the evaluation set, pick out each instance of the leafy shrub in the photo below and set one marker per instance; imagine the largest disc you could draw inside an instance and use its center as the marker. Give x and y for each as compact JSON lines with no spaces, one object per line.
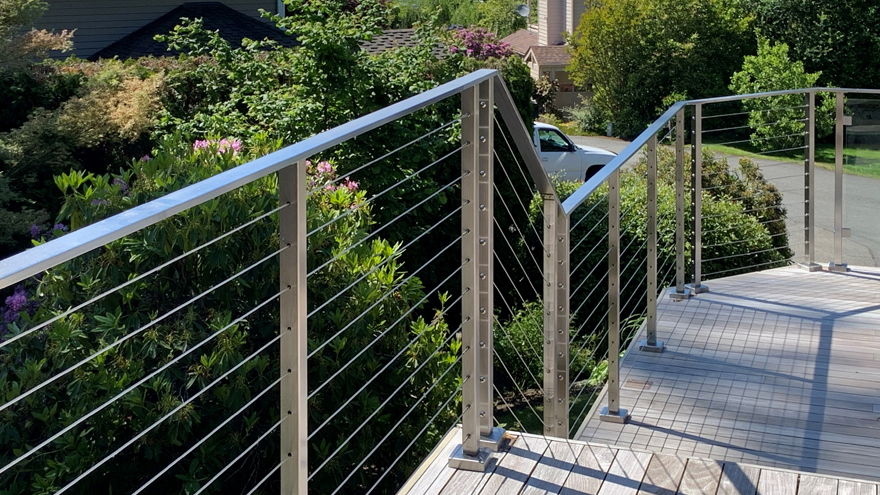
{"x":778,"y":122}
{"x":51,"y":351}
{"x":589,"y":118}
{"x":545,"y":95}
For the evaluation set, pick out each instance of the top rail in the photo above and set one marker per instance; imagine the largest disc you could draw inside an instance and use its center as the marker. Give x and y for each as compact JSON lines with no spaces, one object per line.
{"x":33,"y":261}
{"x":604,"y":174}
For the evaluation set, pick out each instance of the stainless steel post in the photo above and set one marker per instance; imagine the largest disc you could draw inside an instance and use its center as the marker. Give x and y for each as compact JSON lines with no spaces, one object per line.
{"x":838,"y":265}
{"x":697,"y":204}
{"x":477,"y":125}
{"x":809,"y":263}
{"x":556,"y":325}
{"x":680,"y":292}
{"x":651,"y":344}
{"x":294,"y":340}
{"x":613,"y":412}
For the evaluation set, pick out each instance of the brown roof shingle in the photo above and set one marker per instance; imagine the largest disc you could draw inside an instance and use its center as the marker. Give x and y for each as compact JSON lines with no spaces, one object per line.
{"x":551,"y":55}
{"x":521,"y":40}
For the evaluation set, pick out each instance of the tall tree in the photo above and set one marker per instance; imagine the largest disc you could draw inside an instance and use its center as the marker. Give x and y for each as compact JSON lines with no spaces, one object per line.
{"x":636,"y":53}
{"x":841,"y":38}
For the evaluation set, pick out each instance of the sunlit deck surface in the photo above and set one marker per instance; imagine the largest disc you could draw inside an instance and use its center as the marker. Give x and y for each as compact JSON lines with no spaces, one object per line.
{"x":532,"y":465}
{"x":779,"y":368}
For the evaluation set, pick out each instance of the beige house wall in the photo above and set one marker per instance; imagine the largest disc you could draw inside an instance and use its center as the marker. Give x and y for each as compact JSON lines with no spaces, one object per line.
{"x":99,"y":23}
{"x":551,"y":22}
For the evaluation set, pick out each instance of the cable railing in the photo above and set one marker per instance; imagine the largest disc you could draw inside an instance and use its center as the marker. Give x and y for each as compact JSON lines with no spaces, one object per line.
{"x":318,"y":318}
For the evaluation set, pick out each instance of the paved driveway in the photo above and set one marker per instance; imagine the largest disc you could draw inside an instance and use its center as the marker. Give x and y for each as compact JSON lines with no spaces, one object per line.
{"x":861,"y":206}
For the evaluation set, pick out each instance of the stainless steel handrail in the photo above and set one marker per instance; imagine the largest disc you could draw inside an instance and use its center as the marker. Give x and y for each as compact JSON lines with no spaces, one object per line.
{"x":33,"y":261}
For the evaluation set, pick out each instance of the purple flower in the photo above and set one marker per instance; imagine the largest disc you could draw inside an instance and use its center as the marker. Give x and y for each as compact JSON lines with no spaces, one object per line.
{"x":60,"y":226}
{"x":121,"y":183}
{"x":17,"y":301}
{"x":100,"y":202}
{"x":146,"y":158}
{"x":35,"y":231}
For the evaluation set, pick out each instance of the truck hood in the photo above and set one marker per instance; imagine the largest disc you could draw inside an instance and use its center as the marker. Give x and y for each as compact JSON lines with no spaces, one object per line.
{"x":595,"y":151}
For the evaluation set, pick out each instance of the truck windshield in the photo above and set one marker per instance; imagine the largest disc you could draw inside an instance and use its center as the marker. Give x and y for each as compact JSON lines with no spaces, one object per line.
{"x":553,"y":140}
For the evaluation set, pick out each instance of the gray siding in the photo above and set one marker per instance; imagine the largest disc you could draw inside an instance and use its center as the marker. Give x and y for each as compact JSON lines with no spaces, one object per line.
{"x":101,"y":22}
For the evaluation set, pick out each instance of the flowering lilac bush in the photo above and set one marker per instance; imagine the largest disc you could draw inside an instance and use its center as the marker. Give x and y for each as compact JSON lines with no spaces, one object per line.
{"x":479,"y":43}
{"x":223,"y":146}
{"x":14,"y":305}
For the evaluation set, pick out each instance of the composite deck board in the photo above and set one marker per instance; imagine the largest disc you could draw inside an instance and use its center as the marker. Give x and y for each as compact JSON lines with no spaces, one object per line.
{"x":779,"y":368}
{"x":587,"y":476}
{"x":738,"y":480}
{"x":815,"y":485}
{"x":552,"y":470}
{"x":513,"y":472}
{"x":773,"y":482}
{"x":663,"y":475}
{"x":626,"y":473}
{"x":846,"y":487}
{"x":701,"y":477}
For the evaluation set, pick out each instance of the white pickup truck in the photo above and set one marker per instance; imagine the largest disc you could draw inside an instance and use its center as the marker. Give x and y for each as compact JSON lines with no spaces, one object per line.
{"x":560,"y":155}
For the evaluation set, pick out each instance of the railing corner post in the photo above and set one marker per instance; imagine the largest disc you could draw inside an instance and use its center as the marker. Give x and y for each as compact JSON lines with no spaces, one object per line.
{"x":294,"y":341}
{"x":838,"y":265}
{"x":680,"y":292}
{"x":809,"y":262}
{"x":697,"y":286}
{"x":650,"y":343}
{"x":613,"y":413}
{"x":479,"y":436}
{"x":556,"y":319}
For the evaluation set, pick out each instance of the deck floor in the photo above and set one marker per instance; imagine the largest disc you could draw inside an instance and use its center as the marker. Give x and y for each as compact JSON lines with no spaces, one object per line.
{"x":779,"y":368}
{"x":534,"y":465}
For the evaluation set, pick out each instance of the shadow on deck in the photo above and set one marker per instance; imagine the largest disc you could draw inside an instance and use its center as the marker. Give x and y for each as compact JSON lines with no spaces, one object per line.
{"x":777,"y":368}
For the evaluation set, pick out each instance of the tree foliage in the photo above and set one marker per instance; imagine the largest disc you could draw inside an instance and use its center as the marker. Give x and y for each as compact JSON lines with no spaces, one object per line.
{"x":636,"y":52}
{"x":778,"y":122}
{"x":840,"y":39}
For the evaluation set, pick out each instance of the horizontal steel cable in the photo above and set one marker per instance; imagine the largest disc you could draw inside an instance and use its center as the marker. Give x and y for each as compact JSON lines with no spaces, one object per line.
{"x":386,"y":260}
{"x":506,"y":334}
{"x":384,"y":332}
{"x":740,"y":241}
{"x":521,"y":168}
{"x":751,"y":140}
{"x":783,"y":205}
{"x":785,"y":260}
{"x":385,"y":296}
{"x":138,"y":383}
{"x":415,"y":439}
{"x":381,"y":193}
{"x":706,"y":131}
{"x":780,"y":150}
{"x":140,"y":277}
{"x":586,"y":215}
{"x":394,"y":428}
{"x":131,"y":335}
{"x":538,"y":238}
{"x":744,"y":254}
{"x":376,"y":232}
{"x":174,"y":411}
{"x":268,"y":475}
{"x":386,"y":155}
{"x":731,"y":227}
{"x":768,"y":193}
{"x":705,"y":117}
{"x":518,"y":388}
{"x":518,"y":262}
{"x":379,"y":408}
{"x":242,"y":454}
{"x":388,"y":364}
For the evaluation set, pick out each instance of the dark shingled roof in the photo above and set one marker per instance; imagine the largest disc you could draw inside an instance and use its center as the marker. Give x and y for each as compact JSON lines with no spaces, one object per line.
{"x":521,"y":40}
{"x":232,"y":25}
{"x":391,"y":39}
{"x":551,"y":55}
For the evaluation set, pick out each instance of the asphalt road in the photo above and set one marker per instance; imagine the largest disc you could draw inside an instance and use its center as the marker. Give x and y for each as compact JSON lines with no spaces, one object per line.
{"x":861,"y":206}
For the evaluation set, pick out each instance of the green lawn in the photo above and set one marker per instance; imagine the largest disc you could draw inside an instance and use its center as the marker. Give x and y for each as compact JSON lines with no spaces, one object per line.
{"x":856,"y":161}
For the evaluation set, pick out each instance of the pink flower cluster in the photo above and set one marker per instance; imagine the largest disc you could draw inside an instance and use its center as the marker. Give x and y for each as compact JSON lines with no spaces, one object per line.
{"x":223,"y":145}
{"x":479,"y":43}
